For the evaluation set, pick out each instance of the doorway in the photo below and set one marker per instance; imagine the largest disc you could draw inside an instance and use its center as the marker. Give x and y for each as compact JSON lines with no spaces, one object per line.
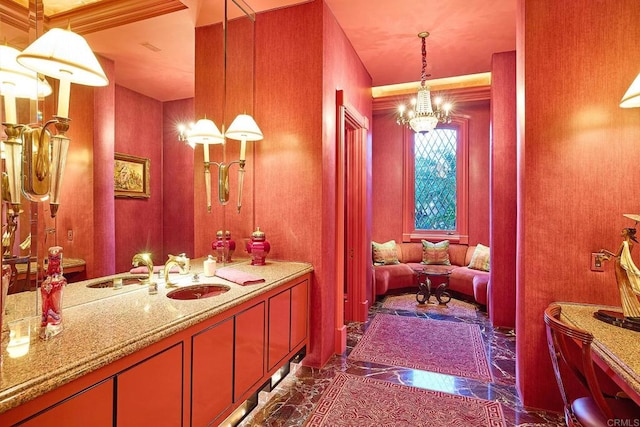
{"x":353,"y":219}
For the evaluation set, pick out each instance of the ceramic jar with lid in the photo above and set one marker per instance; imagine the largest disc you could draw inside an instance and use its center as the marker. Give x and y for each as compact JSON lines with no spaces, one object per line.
{"x":224,"y":246}
{"x":258,"y":247}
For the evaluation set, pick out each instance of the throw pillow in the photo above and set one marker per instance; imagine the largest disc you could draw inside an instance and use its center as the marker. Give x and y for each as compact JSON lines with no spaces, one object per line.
{"x":435,"y":253}
{"x":480,"y":258}
{"x":385,"y":253}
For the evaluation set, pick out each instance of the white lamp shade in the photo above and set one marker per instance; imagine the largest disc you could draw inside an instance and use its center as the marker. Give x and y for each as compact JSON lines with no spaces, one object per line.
{"x":63,"y":54}
{"x":631,"y":98}
{"x":205,"y":131}
{"x":24,"y":82}
{"x":244,"y":128}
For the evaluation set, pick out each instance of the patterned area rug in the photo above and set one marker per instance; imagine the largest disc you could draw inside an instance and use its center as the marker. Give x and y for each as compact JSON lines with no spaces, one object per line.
{"x":451,"y":348}
{"x":408,"y":302}
{"x":362,"y":401}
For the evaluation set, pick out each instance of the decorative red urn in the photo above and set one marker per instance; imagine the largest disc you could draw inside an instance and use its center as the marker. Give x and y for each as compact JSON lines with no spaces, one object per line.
{"x":258,"y":247}
{"x":224,"y":246}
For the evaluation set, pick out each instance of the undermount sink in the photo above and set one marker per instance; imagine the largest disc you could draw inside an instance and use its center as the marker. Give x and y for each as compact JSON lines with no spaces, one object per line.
{"x":109,"y":283}
{"x":197,"y":292}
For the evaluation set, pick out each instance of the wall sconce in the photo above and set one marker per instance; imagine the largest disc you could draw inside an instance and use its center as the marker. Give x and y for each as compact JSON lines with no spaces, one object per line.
{"x":631,"y":98}
{"x":16,"y":82}
{"x":66,"y":56}
{"x":63,"y":55}
{"x":243,"y":128}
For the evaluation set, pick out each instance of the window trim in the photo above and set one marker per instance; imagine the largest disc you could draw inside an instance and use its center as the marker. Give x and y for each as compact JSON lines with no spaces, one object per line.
{"x":461,"y":234}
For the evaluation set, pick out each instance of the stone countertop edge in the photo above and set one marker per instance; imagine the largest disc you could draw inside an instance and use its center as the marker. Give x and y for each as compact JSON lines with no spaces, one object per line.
{"x":615,"y":351}
{"x":75,"y":352}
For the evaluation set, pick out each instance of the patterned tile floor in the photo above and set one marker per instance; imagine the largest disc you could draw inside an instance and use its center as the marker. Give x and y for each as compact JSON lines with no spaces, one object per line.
{"x":291,"y":402}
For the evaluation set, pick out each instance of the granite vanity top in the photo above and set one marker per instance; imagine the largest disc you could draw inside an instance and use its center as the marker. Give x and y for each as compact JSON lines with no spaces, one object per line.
{"x":102,"y":325}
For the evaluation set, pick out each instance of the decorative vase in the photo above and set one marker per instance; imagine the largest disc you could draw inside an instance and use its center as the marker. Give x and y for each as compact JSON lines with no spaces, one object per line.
{"x":258,"y":247}
{"x":218,"y":246}
{"x":51,"y":292}
{"x":230,"y":246}
{"x":224,"y":246}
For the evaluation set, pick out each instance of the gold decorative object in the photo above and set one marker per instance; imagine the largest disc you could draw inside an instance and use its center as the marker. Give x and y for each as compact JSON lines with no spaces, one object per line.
{"x":628,"y":278}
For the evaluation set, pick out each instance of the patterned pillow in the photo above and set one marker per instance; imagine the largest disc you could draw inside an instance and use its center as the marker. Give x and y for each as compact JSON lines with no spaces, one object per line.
{"x":480,"y":258}
{"x":385,"y":253}
{"x":435,"y":253}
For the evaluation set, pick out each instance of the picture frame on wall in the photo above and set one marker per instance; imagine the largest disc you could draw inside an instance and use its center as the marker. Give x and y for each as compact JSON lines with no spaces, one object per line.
{"x":131,"y":176}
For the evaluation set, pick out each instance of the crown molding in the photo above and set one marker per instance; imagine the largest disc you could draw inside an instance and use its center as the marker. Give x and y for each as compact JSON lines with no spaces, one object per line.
{"x":111,"y":13}
{"x":14,"y":14}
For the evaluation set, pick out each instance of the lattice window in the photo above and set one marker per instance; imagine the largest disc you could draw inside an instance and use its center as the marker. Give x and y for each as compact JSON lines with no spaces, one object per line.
{"x":435,"y":179}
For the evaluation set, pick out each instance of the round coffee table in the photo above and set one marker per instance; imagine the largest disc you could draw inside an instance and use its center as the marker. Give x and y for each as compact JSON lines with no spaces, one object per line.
{"x":425,"y":290}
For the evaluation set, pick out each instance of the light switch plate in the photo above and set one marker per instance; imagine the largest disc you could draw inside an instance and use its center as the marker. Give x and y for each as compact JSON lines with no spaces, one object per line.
{"x":597,"y":262}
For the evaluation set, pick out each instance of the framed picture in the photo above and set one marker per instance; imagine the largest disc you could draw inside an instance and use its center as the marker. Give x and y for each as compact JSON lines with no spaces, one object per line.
{"x":131,"y":176}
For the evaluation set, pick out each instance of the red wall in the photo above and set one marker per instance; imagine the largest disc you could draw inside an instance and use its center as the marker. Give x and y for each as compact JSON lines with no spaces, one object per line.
{"x":577,"y":167}
{"x":139,"y":133}
{"x":503,"y":194}
{"x":295,"y":163}
{"x":177,"y":181}
{"x":388,"y":172}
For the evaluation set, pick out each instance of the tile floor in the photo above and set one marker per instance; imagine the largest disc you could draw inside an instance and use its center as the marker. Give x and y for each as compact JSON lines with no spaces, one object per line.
{"x":291,"y":402}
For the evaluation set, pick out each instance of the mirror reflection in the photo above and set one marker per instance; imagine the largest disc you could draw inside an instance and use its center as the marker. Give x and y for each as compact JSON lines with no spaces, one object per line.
{"x":100,"y":233}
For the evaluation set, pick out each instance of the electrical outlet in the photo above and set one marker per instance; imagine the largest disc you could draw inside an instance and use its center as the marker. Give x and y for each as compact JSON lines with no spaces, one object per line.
{"x":69,"y":235}
{"x":597,"y":262}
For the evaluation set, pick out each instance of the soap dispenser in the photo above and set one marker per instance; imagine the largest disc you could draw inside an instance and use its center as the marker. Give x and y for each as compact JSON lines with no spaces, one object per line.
{"x":209,"y":266}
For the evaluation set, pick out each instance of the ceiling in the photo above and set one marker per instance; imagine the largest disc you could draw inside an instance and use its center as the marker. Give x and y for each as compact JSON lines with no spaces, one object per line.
{"x":152,"y":41}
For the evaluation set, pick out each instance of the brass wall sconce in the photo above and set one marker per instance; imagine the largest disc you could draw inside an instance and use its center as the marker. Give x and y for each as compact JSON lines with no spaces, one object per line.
{"x":36,"y":156}
{"x":243,"y":128}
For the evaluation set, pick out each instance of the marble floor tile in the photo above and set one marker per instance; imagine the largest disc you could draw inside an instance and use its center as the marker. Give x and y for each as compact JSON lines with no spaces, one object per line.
{"x":290,"y":403}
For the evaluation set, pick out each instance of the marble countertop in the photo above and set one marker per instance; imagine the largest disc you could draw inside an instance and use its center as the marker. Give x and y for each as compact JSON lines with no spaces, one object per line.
{"x":102,"y":325}
{"x":619,"y":348}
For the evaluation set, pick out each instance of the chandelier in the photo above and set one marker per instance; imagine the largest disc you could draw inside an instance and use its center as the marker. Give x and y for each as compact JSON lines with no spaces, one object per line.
{"x":421,"y":115}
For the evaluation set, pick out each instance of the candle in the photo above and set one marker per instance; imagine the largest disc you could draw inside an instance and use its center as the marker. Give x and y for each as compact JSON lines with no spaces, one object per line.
{"x":63,"y":96}
{"x":10,"y":105}
{"x":206,"y":152}
{"x":243,"y":148}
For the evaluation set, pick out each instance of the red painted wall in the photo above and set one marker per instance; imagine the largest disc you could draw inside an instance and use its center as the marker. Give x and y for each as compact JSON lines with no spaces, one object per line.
{"x":209,"y":102}
{"x":139,"y":133}
{"x":104,"y":243}
{"x":503,"y":194}
{"x":177,"y":181}
{"x":578,"y":164}
{"x":387,"y":173}
{"x":295,"y":164}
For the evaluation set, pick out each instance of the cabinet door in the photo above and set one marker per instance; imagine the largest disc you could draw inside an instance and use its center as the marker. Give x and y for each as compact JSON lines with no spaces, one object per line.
{"x":279,"y":322}
{"x":90,"y":407}
{"x":212,"y":373}
{"x":249,"y":351}
{"x":150,"y":393}
{"x":299,"y":313}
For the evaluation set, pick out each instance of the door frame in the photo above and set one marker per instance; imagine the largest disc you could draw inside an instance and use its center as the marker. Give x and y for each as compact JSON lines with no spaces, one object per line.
{"x":352,"y":218}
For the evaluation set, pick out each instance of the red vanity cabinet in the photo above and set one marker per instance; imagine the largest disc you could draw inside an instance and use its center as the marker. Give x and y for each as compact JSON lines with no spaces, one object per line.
{"x":92,"y":406}
{"x":197,"y":376}
{"x":150,"y":392}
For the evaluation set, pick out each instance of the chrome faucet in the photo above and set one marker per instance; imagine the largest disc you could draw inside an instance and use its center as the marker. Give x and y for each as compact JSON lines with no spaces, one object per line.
{"x":145,"y":259}
{"x":179,"y":260}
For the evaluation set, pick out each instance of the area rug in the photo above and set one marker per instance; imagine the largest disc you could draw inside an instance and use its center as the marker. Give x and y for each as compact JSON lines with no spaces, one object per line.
{"x":452,"y":348}
{"x":362,"y":401}
{"x":408,"y":302}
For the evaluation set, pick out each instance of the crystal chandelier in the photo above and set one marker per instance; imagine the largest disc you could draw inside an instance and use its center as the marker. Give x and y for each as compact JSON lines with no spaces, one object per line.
{"x":422,"y":116}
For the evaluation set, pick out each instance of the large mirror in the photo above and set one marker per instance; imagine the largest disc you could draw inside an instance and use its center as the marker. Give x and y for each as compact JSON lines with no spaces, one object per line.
{"x":100,"y":233}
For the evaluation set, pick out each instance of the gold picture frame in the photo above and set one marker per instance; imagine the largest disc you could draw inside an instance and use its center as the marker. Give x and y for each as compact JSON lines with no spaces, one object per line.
{"x":131,"y":176}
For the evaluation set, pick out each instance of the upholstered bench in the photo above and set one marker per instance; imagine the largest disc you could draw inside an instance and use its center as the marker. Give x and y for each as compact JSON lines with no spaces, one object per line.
{"x":471,"y":282}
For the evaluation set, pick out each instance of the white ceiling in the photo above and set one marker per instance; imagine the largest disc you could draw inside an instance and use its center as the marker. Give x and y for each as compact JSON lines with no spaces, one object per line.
{"x":464,"y":35}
